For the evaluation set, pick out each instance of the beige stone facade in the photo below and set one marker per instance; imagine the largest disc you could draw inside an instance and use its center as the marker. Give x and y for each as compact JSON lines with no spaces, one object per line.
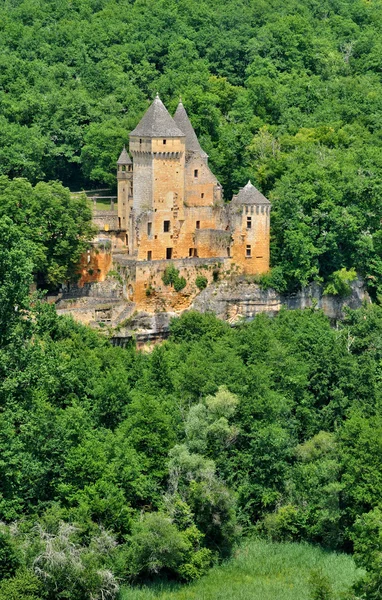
{"x":171,"y":211}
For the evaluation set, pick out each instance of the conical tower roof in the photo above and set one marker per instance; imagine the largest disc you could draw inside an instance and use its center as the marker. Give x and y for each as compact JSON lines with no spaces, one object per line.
{"x":250,"y":195}
{"x":124,"y":158}
{"x":157,"y":122}
{"x":184,"y":123}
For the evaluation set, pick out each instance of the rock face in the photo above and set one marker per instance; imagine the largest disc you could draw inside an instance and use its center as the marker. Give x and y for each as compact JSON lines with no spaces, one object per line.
{"x":103,"y":304}
{"x":236,"y":300}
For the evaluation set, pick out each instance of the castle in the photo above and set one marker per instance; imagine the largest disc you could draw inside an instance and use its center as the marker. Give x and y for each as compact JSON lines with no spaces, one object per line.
{"x":171,"y":211}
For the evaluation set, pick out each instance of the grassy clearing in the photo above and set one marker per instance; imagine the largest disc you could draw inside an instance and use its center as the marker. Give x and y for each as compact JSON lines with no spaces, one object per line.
{"x":260,"y":571}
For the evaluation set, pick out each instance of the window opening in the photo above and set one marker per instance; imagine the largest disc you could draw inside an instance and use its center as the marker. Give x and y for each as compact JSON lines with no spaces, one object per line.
{"x":249,"y":222}
{"x":197,"y":224}
{"x":229,"y":252}
{"x":164,"y":142}
{"x":248,"y":251}
{"x":196,"y":172}
{"x":169,"y":253}
{"x":166,"y":226}
{"x":202,"y":195}
{"x":149,"y":228}
{"x":149,"y":255}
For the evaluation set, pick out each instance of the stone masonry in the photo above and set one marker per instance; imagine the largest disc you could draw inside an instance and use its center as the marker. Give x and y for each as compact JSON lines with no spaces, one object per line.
{"x":171,"y":211}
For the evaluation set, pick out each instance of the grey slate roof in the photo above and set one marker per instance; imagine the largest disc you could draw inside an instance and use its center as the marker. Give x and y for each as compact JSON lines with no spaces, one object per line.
{"x":184,"y":123}
{"x":157,"y":122}
{"x":250,"y":195}
{"x":124,"y":158}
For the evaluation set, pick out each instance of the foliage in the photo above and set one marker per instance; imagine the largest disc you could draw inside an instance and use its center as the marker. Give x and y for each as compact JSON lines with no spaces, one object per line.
{"x":201,"y":282}
{"x":285,"y":93}
{"x":367,"y":539}
{"x":262,"y":570}
{"x":70,"y":569}
{"x":54,"y":225}
{"x":130,"y":465}
{"x":321,"y":586}
{"x":15,"y":276}
{"x":171,"y":277}
{"x":339,"y":283}
{"x":23,"y":586}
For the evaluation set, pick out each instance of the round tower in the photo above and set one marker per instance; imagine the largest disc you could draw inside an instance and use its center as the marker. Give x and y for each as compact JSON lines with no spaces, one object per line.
{"x":125,"y":188}
{"x":250,"y":221}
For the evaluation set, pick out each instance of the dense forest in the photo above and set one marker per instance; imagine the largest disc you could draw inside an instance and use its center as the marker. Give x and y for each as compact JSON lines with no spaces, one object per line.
{"x":120,"y":466}
{"x":285,"y":92}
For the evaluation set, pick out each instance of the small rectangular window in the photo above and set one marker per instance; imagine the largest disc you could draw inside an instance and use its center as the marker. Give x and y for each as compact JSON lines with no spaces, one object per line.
{"x":196,"y":173}
{"x":166,"y":226}
{"x":149,"y":255}
{"x":169,"y":253}
{"x":202,"y":195}
{"x":249,"y":222}
{"x":149,"y":228}
{"x":140,"y":141}
{"x":164,"y":142}
{"x":229,"y":252}
{"x":190,"y":252}
{"x":248,"y":251}
{"x":197,"y":224}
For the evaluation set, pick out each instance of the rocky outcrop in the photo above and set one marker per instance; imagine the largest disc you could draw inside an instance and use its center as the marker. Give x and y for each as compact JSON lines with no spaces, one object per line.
{"x":234,"y":300}
{"x":239,"y":299}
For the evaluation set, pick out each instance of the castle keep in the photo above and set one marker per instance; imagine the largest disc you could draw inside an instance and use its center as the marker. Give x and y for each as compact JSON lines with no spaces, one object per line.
{"x":171,"y":212}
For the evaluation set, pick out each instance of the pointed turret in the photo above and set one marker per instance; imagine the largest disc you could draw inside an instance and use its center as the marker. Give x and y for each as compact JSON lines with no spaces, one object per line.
{"x":183,"y":122}
{"x":250,"y":195}
{"x":157,"y":123}
{"x":124,"y":158}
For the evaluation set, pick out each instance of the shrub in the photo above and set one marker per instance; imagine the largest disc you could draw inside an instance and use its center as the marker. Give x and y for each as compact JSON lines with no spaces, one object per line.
{"x":9,"y":557}
{"x":201,"y":282}
{"x":23,"y":586}
{"x":69,"y":569}
{"x":171,"y":277}
{"x":321,"y":588}
{"x":156,"y":546}
{"x":179,"y":284}
{"x":170,"y":274}
{"x":339,"y":283}
{"x":274,"y":279}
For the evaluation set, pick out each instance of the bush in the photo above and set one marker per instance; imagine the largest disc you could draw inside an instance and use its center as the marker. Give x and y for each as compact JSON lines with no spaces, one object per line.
{"x":9,"y":557}
{"x":283,"y":525}
{"x":156,"y":546}
{"x":69,"y":569}
{"x":179,"y":284}
{"x":201,"y":282}
{"x":321,"y":588}
{"x":171,"y":277}
{"x":339,"y":283}
{"x":274,"y":279}
{"x":23,"y":586}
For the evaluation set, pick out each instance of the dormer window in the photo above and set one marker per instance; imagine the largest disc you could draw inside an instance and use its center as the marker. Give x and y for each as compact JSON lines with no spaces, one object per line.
{"x":196,"y":173}
{"x":164,"y":142}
